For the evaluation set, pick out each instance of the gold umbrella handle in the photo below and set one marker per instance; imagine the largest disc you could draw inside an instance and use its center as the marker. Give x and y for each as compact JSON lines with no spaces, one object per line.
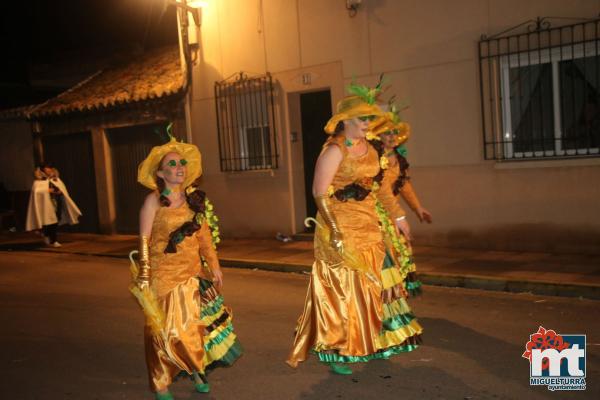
{"x":143,"y":278}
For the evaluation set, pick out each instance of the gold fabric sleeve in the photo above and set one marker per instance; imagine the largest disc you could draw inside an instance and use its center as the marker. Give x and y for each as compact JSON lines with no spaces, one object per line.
{"x":206,"y":247}
{"x":391,"y":205}
{"x":386,"y":195}
{"x":408,"y":194}
{"x":336,"y":236}
{"x":144,"y":273}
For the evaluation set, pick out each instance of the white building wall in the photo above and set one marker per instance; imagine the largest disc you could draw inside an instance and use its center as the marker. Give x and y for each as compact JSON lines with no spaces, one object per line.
{"x":428,"y":49}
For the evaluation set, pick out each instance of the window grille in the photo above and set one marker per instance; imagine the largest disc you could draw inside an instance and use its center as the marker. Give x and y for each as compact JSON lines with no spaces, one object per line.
{"x":246,"y":123}
{"x":540,"y":91}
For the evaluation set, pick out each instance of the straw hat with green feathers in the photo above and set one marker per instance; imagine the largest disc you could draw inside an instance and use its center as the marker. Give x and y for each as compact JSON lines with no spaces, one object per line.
{"x":391,"y":123}
{"x":362,"y":102}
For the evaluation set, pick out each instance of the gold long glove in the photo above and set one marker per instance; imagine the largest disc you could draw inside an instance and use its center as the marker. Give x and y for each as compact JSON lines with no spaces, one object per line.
{"x":335,"y":237}
{"x":140,"y":289}
{"x":143,"y":278}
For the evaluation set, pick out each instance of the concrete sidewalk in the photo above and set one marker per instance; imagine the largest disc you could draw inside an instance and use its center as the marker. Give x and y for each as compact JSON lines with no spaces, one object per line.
{"x":540,"y":273}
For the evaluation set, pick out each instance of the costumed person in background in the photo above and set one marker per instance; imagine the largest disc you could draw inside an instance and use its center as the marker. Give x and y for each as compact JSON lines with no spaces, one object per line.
{"x":346,"y":318}
{"x":50,"y":205}
{"x":393,"y":133}
{"x":180,"y":270}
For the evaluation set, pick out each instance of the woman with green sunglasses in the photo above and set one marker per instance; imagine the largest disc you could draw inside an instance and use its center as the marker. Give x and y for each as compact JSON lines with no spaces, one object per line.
{"x":189,"y":330}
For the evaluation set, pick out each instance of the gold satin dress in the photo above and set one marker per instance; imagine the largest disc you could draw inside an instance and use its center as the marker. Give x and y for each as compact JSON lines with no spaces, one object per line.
{"x":345,"y":317}
{"x":199,"y":334}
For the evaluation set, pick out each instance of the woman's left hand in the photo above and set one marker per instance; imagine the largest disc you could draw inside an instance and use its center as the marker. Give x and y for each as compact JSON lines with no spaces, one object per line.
{"x":424,"y":215}
{"x":217,"y":278}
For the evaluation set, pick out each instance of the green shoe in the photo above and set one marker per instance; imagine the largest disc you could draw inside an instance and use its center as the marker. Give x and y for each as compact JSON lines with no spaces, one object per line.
{"x":340,"y":369}
{"x":202,"y":387}
{"x":163,"y":396}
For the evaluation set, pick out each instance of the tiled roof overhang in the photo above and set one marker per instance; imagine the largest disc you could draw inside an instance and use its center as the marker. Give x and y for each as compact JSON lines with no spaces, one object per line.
{"x":155,"y":75}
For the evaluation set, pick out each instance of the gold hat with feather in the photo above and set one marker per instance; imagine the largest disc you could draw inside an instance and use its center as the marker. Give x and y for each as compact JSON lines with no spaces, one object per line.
{"x":361,"y":103}
{"x":391,"y":123}
{"x":147,"y":168}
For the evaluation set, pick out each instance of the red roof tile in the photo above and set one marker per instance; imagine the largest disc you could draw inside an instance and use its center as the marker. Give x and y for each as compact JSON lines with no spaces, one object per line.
{"x":15,"y":113}
{"x":153,"y":75}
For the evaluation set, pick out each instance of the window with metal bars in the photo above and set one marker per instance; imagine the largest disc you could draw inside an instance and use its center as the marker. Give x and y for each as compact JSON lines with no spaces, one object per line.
{"x":246,"y":123}
{"x":540,"y":91}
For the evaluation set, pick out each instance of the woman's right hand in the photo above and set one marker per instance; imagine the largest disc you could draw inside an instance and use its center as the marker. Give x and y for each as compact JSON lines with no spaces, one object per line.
{"x":336,"y":241}
{"x":217,"y":278}
{"x":403,"y":228}
{"x":424,"y":215}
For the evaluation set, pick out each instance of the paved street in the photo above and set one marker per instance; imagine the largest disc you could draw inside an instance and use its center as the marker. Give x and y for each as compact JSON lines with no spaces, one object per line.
{"x":70,"y":330}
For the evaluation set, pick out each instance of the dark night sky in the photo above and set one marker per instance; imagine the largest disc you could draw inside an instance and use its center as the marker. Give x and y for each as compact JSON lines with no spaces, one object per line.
{"x":54,"y":35}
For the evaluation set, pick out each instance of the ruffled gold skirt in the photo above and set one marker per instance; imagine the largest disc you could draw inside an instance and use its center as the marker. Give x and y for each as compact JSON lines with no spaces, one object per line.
{"x":198,"y":334}
{"x":347,"y":317}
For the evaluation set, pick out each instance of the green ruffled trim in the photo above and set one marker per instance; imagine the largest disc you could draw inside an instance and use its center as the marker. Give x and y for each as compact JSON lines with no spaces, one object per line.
{"x":211,"y":220}
{"x":405,"y":259}
{"x":219,"y":338}
{"x":205,"y":284}
{"x":397,"y":321}
{"x":414,"y":288}
{"x":406,"y":262}
{"x":380,"y":355}
{"x":234,"y":352}
{"x":396,"y":315}
{"x":397,"y":307}
{"x":388,"y":262}
{"x":413,"y":285}
{"x":213,"y":308}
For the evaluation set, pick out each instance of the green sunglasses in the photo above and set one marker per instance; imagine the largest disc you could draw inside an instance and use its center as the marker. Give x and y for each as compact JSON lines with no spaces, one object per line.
{"x":365,"y":118}
{"x":173,"y":163}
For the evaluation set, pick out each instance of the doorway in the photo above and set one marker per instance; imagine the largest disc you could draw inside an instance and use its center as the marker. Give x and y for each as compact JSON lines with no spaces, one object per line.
{"x":129,"y":146}
{"x":73,"y":156}
{"x":315,"y":111}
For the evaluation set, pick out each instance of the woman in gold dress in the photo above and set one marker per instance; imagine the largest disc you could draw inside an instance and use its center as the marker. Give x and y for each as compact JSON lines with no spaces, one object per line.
{"x":180,"y":270}
{"x":396,"y":184}
{"x":348,"y":317}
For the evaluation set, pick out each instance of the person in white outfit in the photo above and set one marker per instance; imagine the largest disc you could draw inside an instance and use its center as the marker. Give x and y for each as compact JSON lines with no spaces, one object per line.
{"x":50,"y":205}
